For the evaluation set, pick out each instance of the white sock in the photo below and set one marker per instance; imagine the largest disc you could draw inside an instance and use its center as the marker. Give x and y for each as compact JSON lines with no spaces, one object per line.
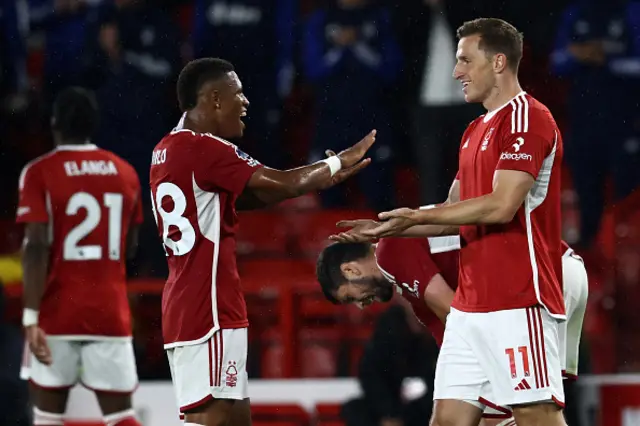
{"x":113,"y":419}
{"x":42,"y":418}
{"x":192,"y":424}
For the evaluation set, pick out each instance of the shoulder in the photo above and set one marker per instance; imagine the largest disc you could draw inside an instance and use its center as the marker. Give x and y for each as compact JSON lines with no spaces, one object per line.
{"x":35,"y":165}
{"x":525,"y":114}
{"x":123,"y":166}
{"x":398,"y":249}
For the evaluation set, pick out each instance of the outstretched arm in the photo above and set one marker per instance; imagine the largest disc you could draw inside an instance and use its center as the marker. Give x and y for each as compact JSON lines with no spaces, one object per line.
{"x":356,"y":233}
{"x":510,"y":188}
{"x":270,"y":186}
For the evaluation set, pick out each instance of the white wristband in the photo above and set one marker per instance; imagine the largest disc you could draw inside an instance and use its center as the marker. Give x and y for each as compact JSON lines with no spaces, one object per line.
{"x":29,"y":317}
{"x":334,"y":163}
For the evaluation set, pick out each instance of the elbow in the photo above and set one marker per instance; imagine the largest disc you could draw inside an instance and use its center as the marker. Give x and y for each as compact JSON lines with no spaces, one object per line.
{"x":503,"y":215}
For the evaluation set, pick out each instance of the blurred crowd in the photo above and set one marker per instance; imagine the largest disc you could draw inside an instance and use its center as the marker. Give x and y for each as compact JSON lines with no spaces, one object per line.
{"x":321,"y":74}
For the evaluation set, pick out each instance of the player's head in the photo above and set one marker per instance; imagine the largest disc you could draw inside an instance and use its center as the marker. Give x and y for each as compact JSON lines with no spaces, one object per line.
{"x":75,"y":116}
{"x":488,"y":50}
{"x":212,"y":86}
{"x":348,"y":273}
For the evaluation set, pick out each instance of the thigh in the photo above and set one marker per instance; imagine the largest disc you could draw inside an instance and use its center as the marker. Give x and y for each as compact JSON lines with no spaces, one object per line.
{"x":241,"y":413}
{"x":519,"y":351}
{"x":456,"y":412}
{"x":459,"y":375}
{"x":64,"y":369}
{"x":109,"y":366}
{"x":576,"y":291}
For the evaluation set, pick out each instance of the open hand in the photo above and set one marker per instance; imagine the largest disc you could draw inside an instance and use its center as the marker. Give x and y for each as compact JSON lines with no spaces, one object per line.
{"x":395,"y":222}
{"x":352,"y":159}
{"x":38,"y":344}
{"x":354,"y":235}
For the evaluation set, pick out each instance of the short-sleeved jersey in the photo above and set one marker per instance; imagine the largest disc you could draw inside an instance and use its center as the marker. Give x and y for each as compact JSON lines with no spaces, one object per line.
{"x":517,"y":264}
{"x":89,"y":197}
{"x":411,"y":263}
{"x":195,"y":181}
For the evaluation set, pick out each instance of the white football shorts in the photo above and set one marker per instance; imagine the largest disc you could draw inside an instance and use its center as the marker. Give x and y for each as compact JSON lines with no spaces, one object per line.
{"x":576,"y":293}
{"x":500,"y":359}
{"x":100,"y":365}
{"x":216,"y":368}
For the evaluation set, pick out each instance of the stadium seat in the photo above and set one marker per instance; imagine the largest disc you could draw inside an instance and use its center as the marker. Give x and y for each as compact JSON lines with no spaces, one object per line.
{"x":262,"y":233}
{"x":329,"y":415}
{"x":312,"y":229}
{"x":279,"y":414}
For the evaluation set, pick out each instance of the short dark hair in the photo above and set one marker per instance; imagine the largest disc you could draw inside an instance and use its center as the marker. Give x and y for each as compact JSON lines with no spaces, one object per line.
{"x":75,"y":113}
{"x":496,"y":36}
{"x":195,"y":74}
{"x":328,"y":270}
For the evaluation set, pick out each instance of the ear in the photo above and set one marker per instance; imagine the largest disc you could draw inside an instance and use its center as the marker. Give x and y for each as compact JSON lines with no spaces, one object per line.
{"x":499,"y":63}
{"x":215,"y":98}
{"x":351,"y":270}
{"x":210,"y":92}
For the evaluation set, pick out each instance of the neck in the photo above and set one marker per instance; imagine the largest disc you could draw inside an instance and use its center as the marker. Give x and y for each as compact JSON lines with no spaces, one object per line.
{"x":502,"y":93}
{"x":196,"y":120}
{"x":60,"y":142}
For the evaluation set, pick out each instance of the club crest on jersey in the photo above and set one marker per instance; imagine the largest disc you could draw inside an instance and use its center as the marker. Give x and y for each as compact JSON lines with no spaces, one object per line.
{"x":485,"y":141}
{"x":232,"y":375}
{"x":246,"y":157}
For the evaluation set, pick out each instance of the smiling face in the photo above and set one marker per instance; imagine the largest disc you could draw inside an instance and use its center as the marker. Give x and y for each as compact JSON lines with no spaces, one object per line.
{"x":364,"y":292}
{"x":475,"y":69}
{"x":230,"y":106}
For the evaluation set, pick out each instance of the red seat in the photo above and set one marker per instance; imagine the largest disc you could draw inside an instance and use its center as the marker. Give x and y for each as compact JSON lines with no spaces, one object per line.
{"x":280,"y":414}
{"x":260,"y":275}
{"x":312,"y":229}
{"x":329,"y":415}
{"x":262,"y":233}
{"x":318,"y":351}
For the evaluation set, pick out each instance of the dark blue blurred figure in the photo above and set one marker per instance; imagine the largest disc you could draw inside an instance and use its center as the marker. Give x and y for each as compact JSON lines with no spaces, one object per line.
{"x":598,"y":48}
{"x":131,"y":60}
{"x":14,"y":394}
{"x":13,"y":53}
{"x":63,"y":23}
{"x":257,"y":36}
{"x":351,"y":57}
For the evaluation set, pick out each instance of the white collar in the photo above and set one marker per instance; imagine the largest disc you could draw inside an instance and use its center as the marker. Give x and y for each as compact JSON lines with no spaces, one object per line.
{"x":488,"y":116}
{"x":79,"y":147}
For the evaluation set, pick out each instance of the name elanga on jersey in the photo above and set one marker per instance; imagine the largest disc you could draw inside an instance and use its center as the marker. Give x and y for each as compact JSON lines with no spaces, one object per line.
{"x":90,"y":167}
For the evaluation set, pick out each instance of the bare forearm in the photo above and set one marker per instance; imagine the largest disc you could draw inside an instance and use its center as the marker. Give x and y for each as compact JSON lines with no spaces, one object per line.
{"x":35,"y":259}
{"x":430,"y":231}
{"x":485,"y":210}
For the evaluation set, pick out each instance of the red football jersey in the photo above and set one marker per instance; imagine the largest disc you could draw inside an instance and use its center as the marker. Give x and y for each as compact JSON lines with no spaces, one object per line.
{"x":89,"y":197}
{"x":411,"y":263}
{"x":518,"y":264}
{"x":195,"y":181}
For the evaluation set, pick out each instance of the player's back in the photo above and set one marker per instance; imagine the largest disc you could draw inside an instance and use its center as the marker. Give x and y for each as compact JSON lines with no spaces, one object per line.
{"x":195,"y":181}
{"x":410,"y":265}
{"x":89,"y":197}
